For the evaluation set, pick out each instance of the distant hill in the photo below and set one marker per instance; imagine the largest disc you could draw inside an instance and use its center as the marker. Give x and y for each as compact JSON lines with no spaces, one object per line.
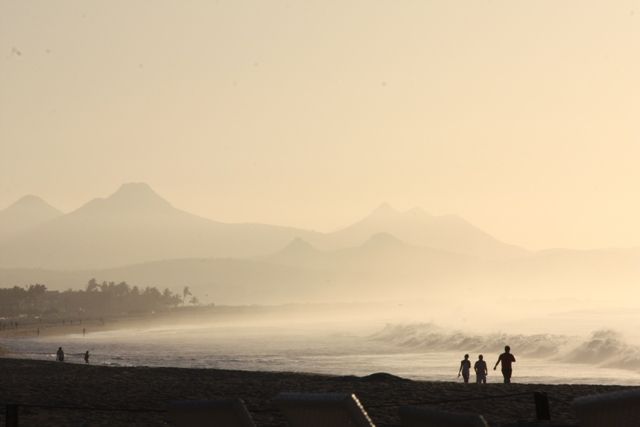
{"x":298,"y":252}
{"x":383,"y":267}
{"x":380,"y":253}
{"x":447,"y":232}
{"x":299,"y":272}
{"x":135,"y":235}
{"x":26,"y":213}
{"x":136,"y":225}
{"x":225,"y":281}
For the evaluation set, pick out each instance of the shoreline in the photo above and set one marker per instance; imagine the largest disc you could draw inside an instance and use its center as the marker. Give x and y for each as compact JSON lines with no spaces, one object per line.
{"x":71,"y":339}
{"x":35,"y":382}
{"x":60,"y":327}
{"x":176,"y":316}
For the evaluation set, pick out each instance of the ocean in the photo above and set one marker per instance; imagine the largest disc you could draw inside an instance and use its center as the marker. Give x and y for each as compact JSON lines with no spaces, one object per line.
{"x":420,"y":351}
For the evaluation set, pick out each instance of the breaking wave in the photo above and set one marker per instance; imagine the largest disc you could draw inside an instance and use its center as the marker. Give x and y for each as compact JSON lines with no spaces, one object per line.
{"x":606,"y":348}
{"x":603,"y":348}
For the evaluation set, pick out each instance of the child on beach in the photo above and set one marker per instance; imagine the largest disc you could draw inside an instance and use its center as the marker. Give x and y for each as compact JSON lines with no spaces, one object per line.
{"x":86,"y":356}
{"x":60,"y":355}
{"x":465,"y":366}
{"x":481,"y":370}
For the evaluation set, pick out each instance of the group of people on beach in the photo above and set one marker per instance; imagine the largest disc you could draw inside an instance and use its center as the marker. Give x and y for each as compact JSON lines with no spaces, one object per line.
{"x":10,"y":325}
{"x":506,"y":359}
{"x":60,"y":355}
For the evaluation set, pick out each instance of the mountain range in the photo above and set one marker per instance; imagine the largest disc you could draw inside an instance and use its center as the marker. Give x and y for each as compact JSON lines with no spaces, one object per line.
{"x":417,"y":227}
{"x":26,"y":213}
{"x":298,"y":272}
{"x":135,"y":235}
{"x":135,"y":225}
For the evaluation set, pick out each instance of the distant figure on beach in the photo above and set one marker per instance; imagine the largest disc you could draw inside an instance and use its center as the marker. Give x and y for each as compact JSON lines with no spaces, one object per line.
{"x":506,"y":359}
{"x":60,"y":355}
{"x":86,"y":356}
{"x":481,"y":370}
{"x":465,"y":366}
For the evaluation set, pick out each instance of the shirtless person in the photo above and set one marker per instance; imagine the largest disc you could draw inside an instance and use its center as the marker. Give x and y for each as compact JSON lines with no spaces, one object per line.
{"x":506,"y":359}
{"x":465,"y":366}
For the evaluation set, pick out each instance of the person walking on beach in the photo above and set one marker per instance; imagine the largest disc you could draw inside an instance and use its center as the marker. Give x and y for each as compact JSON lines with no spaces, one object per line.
{"x":506,"y":359}
{"x":86,"y":356}
{"x":481,"y":370}
{"x":60,"y":355}
{"x":465,"y":366}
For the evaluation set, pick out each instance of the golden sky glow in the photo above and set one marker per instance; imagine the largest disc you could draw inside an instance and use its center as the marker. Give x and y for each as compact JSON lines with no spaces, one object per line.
{"x":521,"y":116}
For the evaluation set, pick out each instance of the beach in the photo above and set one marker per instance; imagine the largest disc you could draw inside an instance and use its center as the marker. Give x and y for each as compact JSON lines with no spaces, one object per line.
{"x":130,"y":389}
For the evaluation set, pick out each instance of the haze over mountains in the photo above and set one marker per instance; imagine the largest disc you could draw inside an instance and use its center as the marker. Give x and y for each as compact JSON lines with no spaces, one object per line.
{"x":135,"y":235}
{"x":136,"y":225}
{"x":417,"y":227}
{"x":26,"y":213}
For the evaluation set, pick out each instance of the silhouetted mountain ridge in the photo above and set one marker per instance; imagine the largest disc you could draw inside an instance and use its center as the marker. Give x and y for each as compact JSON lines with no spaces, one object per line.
{"x":417,"y":227}
{"x":130,"y":197}
{"x":298,"y":246}
{"x":27,"y":212}
{"x":135,"y":224}
{"x":300,"y":272}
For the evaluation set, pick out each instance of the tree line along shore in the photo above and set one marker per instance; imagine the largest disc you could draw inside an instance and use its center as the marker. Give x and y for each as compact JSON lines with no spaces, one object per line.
{"x":34,"y":308}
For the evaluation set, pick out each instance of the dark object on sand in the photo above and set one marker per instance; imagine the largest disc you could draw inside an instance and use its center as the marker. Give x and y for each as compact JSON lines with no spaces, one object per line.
{"x":382,"y":377}
{"x":86,"y":356}
{"x":619,"y":409}
{"x":201,"y":413}
{"x":378,"y":377}
{"x":542,"y":406}
{"x":322,"y":409}
{"x":413,"y":416}
{"x":11,"y":416}
{"x":60,"y":355}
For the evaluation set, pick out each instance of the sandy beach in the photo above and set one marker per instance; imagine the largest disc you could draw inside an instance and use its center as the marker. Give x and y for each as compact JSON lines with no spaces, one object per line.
{"x":32,"y":382}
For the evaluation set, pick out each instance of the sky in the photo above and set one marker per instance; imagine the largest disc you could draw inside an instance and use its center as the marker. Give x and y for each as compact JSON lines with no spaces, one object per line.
{"x":521,"y":116}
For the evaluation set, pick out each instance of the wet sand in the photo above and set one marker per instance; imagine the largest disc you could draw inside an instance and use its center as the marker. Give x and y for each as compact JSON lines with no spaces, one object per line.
{"x":49,"y":328}
{"x":64,"y":384}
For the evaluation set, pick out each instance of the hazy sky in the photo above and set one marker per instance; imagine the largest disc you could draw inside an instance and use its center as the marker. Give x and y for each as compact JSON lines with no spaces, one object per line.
{"x":522,"y":116}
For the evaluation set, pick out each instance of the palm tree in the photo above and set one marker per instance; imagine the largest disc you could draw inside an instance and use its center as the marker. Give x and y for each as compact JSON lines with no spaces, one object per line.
{"x":186,"y":292}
